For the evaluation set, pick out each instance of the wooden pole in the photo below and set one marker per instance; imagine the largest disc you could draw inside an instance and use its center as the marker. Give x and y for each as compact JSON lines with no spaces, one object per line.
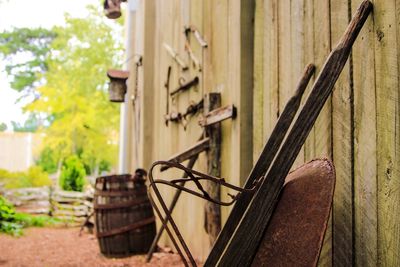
{"x":212,"y":223}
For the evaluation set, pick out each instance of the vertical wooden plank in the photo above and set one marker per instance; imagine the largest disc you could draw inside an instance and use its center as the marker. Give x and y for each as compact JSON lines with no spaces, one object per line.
{"x":258,"y":97}
{"x":271,"y":63}
{"x":343,"y":153}
{"x":309,"y":56}
{"x":323,"y":126}
{"x":387,"y":107}
{"x":240,"y":84}
{"x":365,"y":161}
{"x":247,"y":13}
{"x":285,"y":53}
{"x":298,"y":62}
{"x":147,"y":89}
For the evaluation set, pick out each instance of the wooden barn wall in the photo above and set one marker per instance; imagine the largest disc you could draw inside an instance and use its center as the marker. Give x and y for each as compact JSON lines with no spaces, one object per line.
{"x":227,"y":68}
{"x":359,"y":126}
{"x":256,"y":53}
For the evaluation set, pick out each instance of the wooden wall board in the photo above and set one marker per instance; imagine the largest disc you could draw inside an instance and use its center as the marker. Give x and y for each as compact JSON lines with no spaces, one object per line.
{"x":387,"y":115}
{"x":365,"y":160}
{"x":323,"y":126}
{"x":342,"y":138}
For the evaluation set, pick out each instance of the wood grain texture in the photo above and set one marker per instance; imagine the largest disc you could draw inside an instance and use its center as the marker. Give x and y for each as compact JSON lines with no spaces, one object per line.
{"x":212,"y":216}
{"x":387,"y":105}
{"x":342,"y":148}
{"x":271,"y":64}
{"x":297,"y":35}
{"x":247,"y":234}
{"x":258,"y":91}
{"x":322,"y":133}
{"x":365,"y":160}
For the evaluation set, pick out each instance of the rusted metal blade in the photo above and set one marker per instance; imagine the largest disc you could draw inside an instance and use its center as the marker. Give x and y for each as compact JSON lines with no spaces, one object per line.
{"x":295,"y":233}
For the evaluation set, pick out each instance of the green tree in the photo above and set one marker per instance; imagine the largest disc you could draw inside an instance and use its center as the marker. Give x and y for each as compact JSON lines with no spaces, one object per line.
{"x":48,"y":160}
{"x":3,"y":127}
{"x":74,"y":97}
{"x":30,"y":125}
{"x":25,"y":51}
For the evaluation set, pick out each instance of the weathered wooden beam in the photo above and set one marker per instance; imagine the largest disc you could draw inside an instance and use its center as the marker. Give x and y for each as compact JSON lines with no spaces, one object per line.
{"x":262,"y":165}
{"x":212,"y":214}
{"x":192,"y":151}
{"x":249,"y":232}
{"x":218,"y":115}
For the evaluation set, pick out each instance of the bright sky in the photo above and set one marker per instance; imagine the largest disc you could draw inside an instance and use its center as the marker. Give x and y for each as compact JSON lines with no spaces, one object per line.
{"x":31,"y":13}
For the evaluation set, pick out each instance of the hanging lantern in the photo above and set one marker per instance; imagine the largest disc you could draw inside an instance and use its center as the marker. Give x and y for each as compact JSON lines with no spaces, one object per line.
{"x":117,"y":88}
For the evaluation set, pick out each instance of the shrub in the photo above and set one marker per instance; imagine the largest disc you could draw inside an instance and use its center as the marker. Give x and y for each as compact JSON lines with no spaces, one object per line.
{"x":72,"y":174}
{"x":12,"y":222}
{"x":33,"y":177}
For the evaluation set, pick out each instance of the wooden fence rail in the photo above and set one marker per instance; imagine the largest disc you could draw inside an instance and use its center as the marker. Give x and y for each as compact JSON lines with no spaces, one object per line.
{"x":73,"y":207}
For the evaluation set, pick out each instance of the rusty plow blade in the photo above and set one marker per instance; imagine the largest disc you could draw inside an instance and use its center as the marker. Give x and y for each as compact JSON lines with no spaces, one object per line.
{"x":295,"y":233}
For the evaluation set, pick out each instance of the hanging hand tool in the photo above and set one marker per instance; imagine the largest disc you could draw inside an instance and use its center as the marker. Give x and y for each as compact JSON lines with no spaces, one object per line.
{"x":186,"y":86}
{"x":196,"y":34}
{"x":166,"y":85}
{"x":175,"y":56}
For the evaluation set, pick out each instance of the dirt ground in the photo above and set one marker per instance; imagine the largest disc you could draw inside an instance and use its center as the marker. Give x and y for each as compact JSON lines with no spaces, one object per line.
{"x":55,"y":247}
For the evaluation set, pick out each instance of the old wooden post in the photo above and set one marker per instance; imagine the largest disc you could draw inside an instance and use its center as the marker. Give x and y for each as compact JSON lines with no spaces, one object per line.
{"x":212,"y":216}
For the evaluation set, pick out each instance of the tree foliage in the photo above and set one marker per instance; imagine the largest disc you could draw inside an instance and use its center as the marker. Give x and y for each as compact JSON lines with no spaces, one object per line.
{"x":74,"y":97}
{"x":25,"y":51}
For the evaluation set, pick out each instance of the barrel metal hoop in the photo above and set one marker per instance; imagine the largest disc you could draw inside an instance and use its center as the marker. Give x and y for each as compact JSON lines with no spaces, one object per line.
{"x":125,"y":204}
{"x":126,"y":228}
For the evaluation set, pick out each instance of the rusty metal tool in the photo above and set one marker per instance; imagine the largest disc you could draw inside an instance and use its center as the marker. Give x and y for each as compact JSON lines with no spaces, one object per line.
{"x":192,"y":109}
{"x":166,"y":86}
{"x":186,"y":86}
{"x":175,"y":56}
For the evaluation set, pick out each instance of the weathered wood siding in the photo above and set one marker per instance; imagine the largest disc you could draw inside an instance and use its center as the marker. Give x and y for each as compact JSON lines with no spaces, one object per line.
{"x":227,"y":68}
{"x":359,"y":128}
{"x":256,"y":52}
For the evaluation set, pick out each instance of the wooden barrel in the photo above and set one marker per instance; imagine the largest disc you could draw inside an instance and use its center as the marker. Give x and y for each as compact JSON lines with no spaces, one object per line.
{"x":124,"y":219}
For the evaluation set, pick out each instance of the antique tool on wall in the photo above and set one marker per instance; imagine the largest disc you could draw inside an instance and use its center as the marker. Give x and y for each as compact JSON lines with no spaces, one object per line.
{"x":196,"y":62}
{"x":166,"y":85}
{"x":185,"y":86}
{"x":188,"y":48}
{"x":196,"y":34}
{"x":175,"y":56}
{"x":192,"y":109}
